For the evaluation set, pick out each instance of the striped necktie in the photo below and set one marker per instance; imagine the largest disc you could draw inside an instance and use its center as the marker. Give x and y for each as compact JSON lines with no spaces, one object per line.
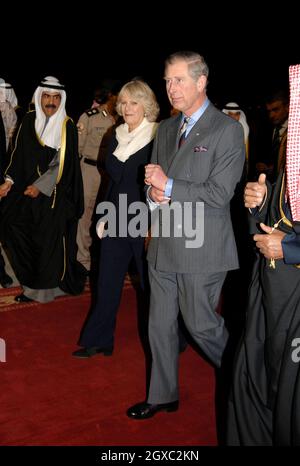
{"x":182,"y":131}
{"x":275,"y":150}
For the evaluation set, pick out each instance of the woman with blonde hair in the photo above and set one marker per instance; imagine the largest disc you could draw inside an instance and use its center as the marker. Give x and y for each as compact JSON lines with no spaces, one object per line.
{"x":129,"y":152}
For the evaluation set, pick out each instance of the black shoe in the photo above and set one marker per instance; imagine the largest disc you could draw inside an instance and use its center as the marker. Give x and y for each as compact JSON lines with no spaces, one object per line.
{"x":6,"y":281}
{"x":89,"y":352}
{"x":145,"y":410}
{"x":21,"y":298}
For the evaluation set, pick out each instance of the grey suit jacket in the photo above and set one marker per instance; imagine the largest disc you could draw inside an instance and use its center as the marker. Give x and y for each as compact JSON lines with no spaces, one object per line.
{"x":205,"y":169}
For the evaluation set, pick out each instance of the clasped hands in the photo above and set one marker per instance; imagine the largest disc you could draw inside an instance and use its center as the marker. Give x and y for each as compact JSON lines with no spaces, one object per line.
{"x":156,"y":178}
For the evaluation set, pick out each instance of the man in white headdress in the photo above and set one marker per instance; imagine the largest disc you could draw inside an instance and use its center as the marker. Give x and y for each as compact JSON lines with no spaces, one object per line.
{"x":264,"y":404}
{"x":11,"y":97}
{"x":233,"y":110}
{"x":45,"y":201}
{"x":8,"y":113}
{"x":8,"y":120}
{"x":10,"y":94}
{"x":5,"y":279}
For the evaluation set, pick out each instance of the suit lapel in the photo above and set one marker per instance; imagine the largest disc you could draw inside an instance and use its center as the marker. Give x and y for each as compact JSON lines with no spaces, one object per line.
{"x":172,"y":140}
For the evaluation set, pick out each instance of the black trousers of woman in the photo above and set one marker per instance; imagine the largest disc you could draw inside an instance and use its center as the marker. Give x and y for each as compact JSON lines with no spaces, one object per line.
{"x":115,"y":256}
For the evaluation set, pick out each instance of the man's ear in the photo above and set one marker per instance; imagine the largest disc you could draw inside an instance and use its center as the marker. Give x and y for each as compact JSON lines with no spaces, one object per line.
{"x":201,"y":83}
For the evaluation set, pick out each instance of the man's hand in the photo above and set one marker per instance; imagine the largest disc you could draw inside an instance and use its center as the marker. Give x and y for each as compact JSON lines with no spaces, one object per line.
{"x":5,"y":188}
{"x":255,"y":192}
{"x":32,"y":191}
{"x":158,"y":196}
{"x":270,"y":244}
{"x":155,"y":176}
{"x":80,"y":128}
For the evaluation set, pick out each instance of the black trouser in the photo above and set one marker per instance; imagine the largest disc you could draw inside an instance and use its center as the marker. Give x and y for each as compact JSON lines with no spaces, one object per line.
{"x":115,"y":256}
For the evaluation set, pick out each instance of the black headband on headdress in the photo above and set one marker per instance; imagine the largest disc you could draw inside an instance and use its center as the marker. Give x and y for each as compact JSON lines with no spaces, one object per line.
{"x":229,"y":107}
{"x":6,"y":86}
{"x":52,"y":86}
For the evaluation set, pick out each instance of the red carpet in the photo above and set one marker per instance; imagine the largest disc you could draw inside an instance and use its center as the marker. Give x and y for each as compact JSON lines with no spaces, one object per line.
{"x":50,"y":398}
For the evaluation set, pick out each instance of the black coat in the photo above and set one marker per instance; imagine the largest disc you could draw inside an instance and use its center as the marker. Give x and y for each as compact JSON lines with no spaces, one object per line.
{"x":40,"y":233}
{"x":127,"y":178}
{"x":265,"y":400}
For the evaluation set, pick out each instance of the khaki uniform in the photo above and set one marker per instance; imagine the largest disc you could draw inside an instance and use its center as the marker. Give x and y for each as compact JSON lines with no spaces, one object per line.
{"x":92,"y":125}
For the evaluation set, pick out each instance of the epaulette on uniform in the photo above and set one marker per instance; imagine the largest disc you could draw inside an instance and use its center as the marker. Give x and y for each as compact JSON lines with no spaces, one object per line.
{"x":92,"y":111}
{"x":104,"y":113}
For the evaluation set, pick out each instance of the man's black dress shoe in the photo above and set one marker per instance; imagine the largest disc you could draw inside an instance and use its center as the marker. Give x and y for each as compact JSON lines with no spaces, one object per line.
{"x":5,"y":280}
{"x":88,"y":352}
{"x":21,"y":298}
{"x":145,"y":410}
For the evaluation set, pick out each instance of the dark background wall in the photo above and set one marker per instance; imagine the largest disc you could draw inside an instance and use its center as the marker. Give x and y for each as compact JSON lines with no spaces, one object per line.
{"x":248,"y":52}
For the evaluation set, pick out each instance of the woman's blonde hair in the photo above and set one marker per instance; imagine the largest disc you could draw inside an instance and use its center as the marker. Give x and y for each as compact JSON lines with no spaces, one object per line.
{"x":142,"y":93}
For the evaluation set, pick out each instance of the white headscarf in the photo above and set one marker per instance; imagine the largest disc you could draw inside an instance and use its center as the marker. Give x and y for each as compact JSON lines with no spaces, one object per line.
{"x":233,"y":107}
{"x":8,"y":114}
{"x":9,"y":93}
{"x":51,"y":135}
{"x":130,"y":142}
{"x":2,"y":90}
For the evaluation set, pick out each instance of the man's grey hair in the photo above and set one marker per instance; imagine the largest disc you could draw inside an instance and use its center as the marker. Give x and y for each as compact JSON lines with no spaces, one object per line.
{"x":196,"y":64}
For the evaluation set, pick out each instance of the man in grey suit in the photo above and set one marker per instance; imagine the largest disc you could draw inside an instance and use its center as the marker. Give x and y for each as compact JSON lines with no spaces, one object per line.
{"x":197,"y":160}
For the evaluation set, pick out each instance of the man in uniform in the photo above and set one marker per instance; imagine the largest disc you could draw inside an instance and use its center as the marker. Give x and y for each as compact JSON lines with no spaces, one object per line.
{"x":92,"y":126}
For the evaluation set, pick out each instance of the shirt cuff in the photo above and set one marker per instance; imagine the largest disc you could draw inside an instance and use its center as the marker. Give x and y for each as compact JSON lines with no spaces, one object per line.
{"x":8,"y":178}
{"x":169,"y":187}
{"x":151,"y":204}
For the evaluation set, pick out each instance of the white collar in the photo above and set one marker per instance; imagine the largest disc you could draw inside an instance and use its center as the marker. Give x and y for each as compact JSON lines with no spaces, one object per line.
{"x":130,"y":142}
